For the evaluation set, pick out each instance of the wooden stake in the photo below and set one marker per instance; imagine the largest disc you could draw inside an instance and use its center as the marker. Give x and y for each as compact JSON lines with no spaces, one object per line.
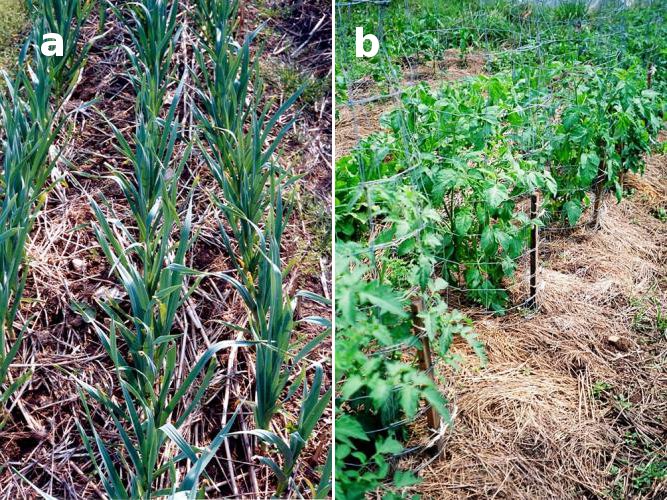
{"x":598,"y":189}
{"x":424,"y":358}
{"x":532,"y":301}
{"x":649,"y":76}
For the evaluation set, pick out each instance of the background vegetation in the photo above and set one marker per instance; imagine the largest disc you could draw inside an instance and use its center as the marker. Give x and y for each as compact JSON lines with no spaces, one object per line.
{"x":13,"y":20}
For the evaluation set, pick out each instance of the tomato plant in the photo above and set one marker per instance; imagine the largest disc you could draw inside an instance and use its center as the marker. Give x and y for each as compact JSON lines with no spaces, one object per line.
{"x":436,"y":202}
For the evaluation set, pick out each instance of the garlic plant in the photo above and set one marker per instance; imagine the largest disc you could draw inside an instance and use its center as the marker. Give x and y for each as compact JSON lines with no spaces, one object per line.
{"x":29,"y":127}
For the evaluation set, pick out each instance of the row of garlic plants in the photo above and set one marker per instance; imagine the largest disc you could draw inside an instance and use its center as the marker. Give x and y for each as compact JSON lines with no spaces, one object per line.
{"x":30,"y":125}
{"x":148,"y":257}
{"x":241,"y":134}
{"x":147,"y":254}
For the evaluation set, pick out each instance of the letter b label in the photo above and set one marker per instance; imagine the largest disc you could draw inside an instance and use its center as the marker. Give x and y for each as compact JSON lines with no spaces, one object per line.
{"x":361,"y":41}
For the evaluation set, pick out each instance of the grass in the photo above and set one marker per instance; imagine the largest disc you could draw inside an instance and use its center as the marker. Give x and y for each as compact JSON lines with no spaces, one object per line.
{"x":660,"y":214}
{"x":13,"y":21}
{"x":571,"y":10}
{"x":308,"y":251}
{"x":290,"y":80}
{"x":649,"y":316}
{"x":269,"y":9}
{"x":652,"y":472}
{"x":647,"y":474}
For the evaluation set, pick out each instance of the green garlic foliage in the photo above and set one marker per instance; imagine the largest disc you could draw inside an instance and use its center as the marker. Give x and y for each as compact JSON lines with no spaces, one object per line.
{"x":29,"y":127}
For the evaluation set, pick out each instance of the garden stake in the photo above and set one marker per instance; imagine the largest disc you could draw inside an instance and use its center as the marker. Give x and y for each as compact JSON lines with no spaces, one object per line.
{"x":532,"y":302}
{"x":598,"y":190}
{"x":424,"y":358}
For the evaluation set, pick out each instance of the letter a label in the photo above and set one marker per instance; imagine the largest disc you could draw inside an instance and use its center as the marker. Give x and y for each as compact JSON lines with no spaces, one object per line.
{"x":52,"y":45}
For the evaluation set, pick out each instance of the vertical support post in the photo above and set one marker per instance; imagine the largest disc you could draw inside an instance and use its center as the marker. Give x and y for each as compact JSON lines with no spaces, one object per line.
{"x":621,"y":177}
{"x":598,"y":188}
{"x":534,"y":238}
{"x":649,"y":76}
{"x":424,"y":357}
